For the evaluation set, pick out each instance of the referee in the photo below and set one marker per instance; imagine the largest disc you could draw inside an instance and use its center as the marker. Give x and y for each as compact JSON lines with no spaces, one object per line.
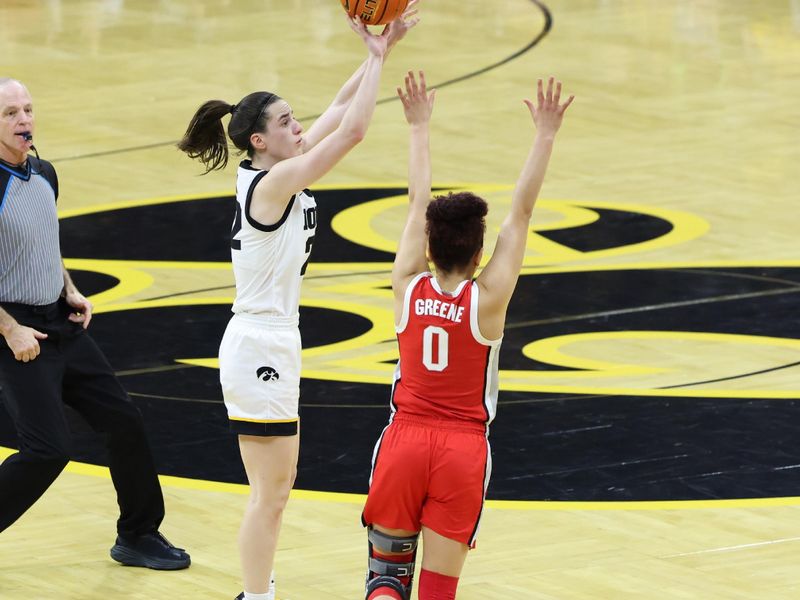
{"x":49,"y":360}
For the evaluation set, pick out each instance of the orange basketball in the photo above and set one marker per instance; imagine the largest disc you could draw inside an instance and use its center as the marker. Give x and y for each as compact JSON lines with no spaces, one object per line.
{"x":375,"y":12}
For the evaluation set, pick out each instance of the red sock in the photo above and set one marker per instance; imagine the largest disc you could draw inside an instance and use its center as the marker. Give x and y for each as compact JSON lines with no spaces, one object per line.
{"x":435,"y":586}
{"x":382,"y":591}
{"x":392,"y":558}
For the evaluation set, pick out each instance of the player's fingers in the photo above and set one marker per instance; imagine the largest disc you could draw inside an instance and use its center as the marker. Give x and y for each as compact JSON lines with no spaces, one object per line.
{"x":360,"y":26}
{"x":557,"y":96}
{"x":566,"y":104}
{"x":403,"y":98}
{"x":549,"y":94}
{"x":410,"y":10}
{"x":413,"y":81}
{"x":531,"y":107}
{"x":539,"y":93}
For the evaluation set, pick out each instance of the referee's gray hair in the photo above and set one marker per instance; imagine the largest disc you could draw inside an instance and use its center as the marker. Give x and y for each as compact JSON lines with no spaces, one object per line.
{"x":5,"y":80}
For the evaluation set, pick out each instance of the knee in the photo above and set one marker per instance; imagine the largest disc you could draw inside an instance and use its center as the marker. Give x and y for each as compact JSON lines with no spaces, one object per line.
{"x":48,"y":449}
{"x":55,"y":464}
{"x":269,"y":509}
{"x":271,"y":499}
{"x":127,"y":424}
{"x":47,"y":462}
{"x":392,"y":561}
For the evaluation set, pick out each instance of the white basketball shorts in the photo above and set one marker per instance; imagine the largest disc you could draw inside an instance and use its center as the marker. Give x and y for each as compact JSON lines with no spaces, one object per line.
{"x":259,"y":368}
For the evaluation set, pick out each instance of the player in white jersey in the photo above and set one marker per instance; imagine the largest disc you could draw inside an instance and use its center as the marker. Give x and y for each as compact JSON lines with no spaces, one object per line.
{"x":271,"y":241}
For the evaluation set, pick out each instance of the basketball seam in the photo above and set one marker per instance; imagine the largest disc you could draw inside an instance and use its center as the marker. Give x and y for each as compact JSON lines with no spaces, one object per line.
{"x":385,"y":6}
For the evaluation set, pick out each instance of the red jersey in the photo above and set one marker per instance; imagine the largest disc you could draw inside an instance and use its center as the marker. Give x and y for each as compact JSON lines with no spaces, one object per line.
{"x":447,"y":369}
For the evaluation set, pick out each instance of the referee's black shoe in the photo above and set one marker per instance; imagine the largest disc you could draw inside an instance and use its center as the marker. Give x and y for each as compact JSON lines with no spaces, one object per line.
{"x":151,"y":550}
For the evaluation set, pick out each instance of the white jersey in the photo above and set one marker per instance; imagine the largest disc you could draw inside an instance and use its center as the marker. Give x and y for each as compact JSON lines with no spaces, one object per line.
{"x":269,"y":261}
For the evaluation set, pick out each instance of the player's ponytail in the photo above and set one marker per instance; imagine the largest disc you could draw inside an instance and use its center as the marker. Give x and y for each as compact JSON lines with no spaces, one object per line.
{"x":205,"y":137}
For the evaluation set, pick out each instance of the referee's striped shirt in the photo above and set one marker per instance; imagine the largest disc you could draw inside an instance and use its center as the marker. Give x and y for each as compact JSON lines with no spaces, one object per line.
{"x":30,"y":255}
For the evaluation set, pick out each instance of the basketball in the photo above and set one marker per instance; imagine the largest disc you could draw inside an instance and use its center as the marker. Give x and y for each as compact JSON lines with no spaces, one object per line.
{"x":375,"y":12}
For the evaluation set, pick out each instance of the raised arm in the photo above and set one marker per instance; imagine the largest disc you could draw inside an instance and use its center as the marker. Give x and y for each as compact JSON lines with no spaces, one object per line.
{"x":498,"y":280}
{"x":411,"y":258}
{"x":329,"y":120}
{"x":293,"y":174}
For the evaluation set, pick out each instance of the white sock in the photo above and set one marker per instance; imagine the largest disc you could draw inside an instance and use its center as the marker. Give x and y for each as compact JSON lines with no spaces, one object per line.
{"x":270,"y":595}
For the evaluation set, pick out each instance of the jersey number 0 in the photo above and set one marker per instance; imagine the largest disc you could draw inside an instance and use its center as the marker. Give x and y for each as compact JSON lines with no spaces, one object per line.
{"x":434,"y":348}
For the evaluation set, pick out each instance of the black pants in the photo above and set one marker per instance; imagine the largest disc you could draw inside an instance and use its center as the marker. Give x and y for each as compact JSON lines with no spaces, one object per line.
{"x":71,"y":370}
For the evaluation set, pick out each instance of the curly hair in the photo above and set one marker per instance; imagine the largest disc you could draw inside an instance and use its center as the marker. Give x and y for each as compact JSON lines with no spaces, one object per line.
{"x":455,"y":227}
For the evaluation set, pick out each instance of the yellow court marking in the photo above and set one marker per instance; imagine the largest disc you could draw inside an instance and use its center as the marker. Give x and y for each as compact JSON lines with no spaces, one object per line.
{"x":367,"y":357}
{"x":357,"y":224}
{"x":126,"y":204}
{"x":363,"y":358}
{"x":122,"y":205}
{"x":646,"y":265}
{"x":132,"y":279}
{"x":681,"y":125}
{"x":552,"y":350}
{"x":685,"y":226}
{"x":186,"y":483}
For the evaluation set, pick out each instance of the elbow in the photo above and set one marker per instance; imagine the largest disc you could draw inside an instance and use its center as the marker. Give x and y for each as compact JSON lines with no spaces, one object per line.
{"x":357,"y":134}
{"x":351,"y":136}
{"x":522,"y":214}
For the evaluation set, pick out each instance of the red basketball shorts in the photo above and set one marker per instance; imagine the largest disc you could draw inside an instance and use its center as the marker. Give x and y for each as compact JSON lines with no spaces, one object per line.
{"x":432,"y":473}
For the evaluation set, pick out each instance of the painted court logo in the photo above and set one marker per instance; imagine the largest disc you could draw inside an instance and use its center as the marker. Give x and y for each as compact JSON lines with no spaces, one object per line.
{"x":267,"y":374}
{"x":595,"y":322}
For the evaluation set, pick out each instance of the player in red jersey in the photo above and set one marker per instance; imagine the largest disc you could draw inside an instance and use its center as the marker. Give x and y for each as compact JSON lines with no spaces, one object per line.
{"x":432,"y":463}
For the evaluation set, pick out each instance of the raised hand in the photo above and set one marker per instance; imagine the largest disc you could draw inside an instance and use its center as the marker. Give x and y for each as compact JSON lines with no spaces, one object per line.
{"x":377,"y":45}
{"x":549,"y":111}
{"x":417,"y":102}
{"x":397,"y":29}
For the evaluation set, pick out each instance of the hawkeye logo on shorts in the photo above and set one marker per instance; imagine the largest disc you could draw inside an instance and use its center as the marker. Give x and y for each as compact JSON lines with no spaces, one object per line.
{"x":267,"y":374}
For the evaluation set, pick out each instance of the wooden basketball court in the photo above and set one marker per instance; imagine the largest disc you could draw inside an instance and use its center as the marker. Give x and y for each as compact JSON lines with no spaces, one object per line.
{"x":645,"y":445}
